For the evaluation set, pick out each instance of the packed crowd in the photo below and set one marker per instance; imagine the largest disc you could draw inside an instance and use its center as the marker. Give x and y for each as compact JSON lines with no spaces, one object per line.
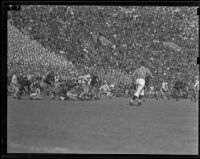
{"x":29,"y":56}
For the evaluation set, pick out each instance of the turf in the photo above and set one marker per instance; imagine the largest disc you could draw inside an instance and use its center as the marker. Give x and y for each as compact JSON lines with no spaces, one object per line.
{"x":104,"y":126}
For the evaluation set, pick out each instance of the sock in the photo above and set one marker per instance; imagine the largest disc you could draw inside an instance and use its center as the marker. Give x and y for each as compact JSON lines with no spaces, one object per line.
{"x":140,"y":98}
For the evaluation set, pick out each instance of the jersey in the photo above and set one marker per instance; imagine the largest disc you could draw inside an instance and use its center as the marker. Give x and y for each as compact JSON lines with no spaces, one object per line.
{"x":29,"y":77}
{"x":105,"y":88}
{"x":85,"y":79}
{"x":164,"y":85}
{"x":14,"y":79}
{"x":56,"y":79}
{"x":94,"y":80}
{"x":142,"y":72}
{"x":196,"y":85}
{"x":151,"y":88}
{"x":49,"y":78}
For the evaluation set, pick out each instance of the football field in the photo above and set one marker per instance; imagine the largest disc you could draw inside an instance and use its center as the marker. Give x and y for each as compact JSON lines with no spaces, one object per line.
{"x":103,"y":126}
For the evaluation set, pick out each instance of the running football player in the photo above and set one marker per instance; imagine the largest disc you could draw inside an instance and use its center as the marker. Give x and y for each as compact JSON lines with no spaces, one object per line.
{"x":140,"y":75}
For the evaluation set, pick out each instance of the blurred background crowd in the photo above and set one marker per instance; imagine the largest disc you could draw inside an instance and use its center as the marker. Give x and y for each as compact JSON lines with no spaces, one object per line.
{"x":105,"y":41}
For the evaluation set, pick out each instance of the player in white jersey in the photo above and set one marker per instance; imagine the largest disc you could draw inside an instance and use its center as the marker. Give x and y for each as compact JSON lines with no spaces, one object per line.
{"x":85,"y":82}
{"x":105,"y":90}
{"x":164,"y":90}
{"x":140,"y":75}
{"x":14,"y":86}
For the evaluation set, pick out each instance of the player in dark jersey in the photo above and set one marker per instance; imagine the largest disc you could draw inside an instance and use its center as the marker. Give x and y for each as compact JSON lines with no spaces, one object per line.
{"x":178,"y":86}
{"x":50,"y":78}
{"x":94,"y":84}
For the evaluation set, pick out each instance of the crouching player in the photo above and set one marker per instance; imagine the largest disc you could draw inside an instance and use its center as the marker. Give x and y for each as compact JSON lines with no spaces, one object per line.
{"x":178,"y":86}
{"x":85,"y":82}
{"x":140,"y":75}
{"x":36,"y":95}
{"x":94,"y":85}
{"x":14,"y":87}
{"x":151,"y":92}
{"x":165,"y":90}
{"x":105,"y":90}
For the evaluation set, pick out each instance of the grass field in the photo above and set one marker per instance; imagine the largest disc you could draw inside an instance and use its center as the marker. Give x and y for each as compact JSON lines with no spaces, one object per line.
{"x":104,"y":126}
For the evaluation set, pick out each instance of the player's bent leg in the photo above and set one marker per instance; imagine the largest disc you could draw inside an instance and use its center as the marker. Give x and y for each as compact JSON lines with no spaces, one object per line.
{"x":139,"y":91}
{"x":141,"y":96}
